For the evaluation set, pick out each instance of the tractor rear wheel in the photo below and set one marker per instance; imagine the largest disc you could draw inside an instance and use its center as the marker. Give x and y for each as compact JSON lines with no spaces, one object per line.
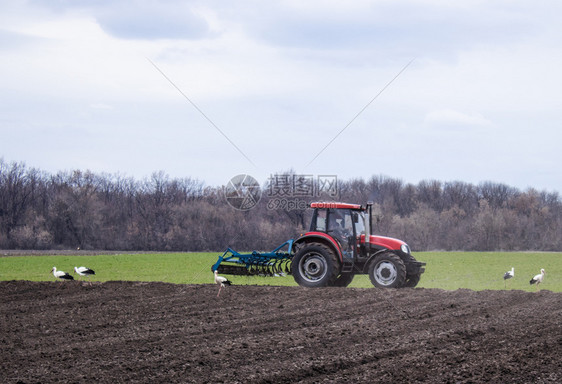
{"x":387,"y":270}
{"x":315,"y":265}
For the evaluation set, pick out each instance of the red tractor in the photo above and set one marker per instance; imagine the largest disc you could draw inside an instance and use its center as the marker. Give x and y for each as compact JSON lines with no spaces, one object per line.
{"x":339,"y":245}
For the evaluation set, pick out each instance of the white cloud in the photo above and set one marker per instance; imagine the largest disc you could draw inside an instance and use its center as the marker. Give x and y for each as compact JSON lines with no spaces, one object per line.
{"x":456,"y":119}
{"x":152,"y":20}
{"x":281,"y":79}
{"x":100,"y":106}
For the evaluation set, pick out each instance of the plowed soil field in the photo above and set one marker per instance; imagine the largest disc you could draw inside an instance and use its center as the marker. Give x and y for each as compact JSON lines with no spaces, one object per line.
{"x":156,"y":332}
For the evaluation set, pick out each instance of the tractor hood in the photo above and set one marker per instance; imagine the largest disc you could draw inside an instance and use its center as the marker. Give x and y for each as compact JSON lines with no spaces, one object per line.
{"x":386,"y":242}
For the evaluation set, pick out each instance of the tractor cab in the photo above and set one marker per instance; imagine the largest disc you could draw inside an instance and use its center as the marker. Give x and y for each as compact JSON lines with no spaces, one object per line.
{"x":345,"y":223}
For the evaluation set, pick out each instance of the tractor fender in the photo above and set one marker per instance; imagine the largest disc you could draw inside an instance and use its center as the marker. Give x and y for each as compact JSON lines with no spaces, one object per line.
{"x":319,"y":237}
{"x":406,"y":258}
{"x":371,"y":258}
{"x":384,"y":244}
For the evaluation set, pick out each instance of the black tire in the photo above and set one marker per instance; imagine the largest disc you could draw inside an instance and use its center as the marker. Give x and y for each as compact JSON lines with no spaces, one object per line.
{"x":387,"y":270}
{"x":343,"y":280}
{"x":412,"y":280}
{"x":315,"y":265}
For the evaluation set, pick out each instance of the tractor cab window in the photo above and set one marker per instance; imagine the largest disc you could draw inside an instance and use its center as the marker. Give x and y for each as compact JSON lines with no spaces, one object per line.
{"x":359,"y":219}
{"x":340,"y":221}
{"x":340,"y":226}
{"x":319,"y":223}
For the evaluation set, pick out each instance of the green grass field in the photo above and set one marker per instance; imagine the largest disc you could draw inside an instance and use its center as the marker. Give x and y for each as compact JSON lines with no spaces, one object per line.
{"x":444,"y":270}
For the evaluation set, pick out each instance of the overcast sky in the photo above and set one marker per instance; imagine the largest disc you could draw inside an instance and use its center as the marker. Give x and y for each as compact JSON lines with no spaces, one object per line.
{"x":104,"y":86}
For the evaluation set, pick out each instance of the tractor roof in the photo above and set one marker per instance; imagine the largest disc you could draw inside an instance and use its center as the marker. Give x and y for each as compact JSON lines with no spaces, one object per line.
{"x":335,"y":205}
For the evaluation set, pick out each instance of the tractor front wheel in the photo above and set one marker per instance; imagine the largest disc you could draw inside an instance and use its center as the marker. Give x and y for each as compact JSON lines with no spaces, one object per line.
{"x":315,"y":265}
{"x":387,"y":270}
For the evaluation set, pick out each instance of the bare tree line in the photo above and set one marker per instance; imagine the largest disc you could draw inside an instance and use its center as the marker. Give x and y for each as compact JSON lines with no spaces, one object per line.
{"x":81,"y":209}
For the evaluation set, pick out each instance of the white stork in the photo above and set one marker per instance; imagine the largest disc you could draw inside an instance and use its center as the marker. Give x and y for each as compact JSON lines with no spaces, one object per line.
{"x":508,"y":275}
{"x":61,"y":275}
{"x":221,"y":281}
{"x":538,"y":279}
{"x":83,"y":271}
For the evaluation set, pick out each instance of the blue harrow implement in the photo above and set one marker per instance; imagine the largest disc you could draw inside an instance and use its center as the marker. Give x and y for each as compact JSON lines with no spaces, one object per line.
{"x":274,"y":263}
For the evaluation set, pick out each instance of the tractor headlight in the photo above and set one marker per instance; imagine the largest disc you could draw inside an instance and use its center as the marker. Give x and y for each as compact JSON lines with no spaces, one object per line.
{"x":405,"y":248}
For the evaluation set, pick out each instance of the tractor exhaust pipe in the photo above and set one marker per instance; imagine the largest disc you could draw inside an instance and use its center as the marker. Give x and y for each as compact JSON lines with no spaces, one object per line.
{"x":369,"y":228}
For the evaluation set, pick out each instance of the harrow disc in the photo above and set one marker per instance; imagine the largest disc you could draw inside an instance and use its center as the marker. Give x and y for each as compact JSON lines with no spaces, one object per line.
{"x":287,"y":266}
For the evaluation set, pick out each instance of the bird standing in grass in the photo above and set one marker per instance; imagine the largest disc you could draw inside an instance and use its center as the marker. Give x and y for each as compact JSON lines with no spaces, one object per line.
{"x":61,"y":275}
{"x":508,"y":275}
{"x":221,"y":281}
{"x":83,"y":271}
{"x":538,"y":279}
